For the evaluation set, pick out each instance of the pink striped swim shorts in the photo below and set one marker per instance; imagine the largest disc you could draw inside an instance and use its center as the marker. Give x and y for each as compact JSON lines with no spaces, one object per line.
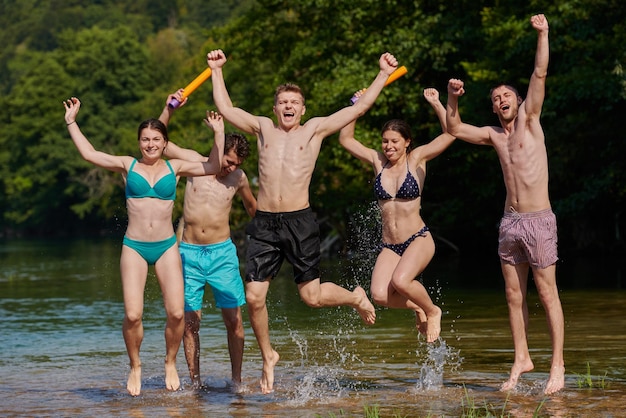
{"x":528,"y":238}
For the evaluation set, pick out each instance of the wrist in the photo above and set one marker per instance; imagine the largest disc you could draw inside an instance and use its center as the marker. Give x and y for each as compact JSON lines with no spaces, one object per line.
{"x":68,"y":124}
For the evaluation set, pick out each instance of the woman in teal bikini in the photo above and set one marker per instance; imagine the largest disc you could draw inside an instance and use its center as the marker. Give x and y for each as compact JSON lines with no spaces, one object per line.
{"x":149,"y":239}
{"x":407,"y":246}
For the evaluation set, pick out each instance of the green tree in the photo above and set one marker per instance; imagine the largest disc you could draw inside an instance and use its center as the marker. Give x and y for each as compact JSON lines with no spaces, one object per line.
{"x":122,"y":58}
{"x":327,"y":47}
{"x":585,"y":96}
{"x":109,"y":73}
{"x":34,"y":142}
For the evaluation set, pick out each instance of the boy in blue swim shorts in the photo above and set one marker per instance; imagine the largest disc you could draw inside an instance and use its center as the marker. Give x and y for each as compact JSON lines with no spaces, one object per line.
{"x":208,"y":254}
{"x":216,"y":265}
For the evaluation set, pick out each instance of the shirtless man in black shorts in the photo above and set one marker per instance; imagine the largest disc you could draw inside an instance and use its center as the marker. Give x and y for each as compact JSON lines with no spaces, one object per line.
{"x":284,"y":225}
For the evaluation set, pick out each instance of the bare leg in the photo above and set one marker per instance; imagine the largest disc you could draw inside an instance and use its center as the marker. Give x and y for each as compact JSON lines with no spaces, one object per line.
{"x":429,"y":315}
{"x":323,"y":295}
{"x":433,"y":325}
{"x":235,"y":334}
{"x":545,"y":280}
{"x":516,"y":281}
{"x":256,"y":293}
{"x":393,"y":299}
{"x":384,"y":294}
{"x":412,"y":263}
{"x":191,"y":342}
{"x":170,"y":275}
{"x":364,"y":307}
{"x":420,"y":320}
{"x":133,"y":336}
{"x":134,"y":271}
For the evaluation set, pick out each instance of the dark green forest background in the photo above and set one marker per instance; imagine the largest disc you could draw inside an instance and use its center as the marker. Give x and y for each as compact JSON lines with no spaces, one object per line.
{"x":122,"y":58}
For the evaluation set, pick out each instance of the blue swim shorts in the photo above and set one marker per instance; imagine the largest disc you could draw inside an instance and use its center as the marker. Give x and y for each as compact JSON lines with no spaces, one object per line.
{"x":216,"y":265}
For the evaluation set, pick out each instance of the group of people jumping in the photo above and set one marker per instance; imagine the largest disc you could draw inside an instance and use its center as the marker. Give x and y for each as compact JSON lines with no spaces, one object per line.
{"x":284,"y":226}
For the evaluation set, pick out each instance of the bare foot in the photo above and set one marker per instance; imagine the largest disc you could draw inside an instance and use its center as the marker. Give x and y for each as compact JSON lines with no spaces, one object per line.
{"x":267,"y":377}
{"x":420,"y":321}
{"x":516,"y":372}
{"x":433,"y":326}
{"x":365,"y":308}
{"x":133,"y":385}
{"x":237,"y":387}
{"x":196,"y":383}
{"x":556,"y":381}
{"x":171,"y":377}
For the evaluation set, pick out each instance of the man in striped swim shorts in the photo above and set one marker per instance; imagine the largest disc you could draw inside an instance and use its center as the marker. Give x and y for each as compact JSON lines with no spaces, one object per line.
{"x":529,"y":238}
{"x":528,"y":235}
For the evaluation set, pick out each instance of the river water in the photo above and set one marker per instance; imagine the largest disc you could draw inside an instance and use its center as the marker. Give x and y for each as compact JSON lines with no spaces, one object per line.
{"x":62,"y":352}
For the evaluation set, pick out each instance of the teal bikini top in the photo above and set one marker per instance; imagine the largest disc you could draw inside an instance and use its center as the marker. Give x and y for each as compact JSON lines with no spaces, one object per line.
{"x":137,"y":186}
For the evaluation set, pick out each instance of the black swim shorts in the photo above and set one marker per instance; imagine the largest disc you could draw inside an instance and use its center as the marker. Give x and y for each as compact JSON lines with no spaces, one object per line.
{"x":276,"y":236}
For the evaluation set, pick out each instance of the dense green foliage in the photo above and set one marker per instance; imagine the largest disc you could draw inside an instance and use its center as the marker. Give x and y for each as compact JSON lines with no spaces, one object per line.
{"x":122,"y":58}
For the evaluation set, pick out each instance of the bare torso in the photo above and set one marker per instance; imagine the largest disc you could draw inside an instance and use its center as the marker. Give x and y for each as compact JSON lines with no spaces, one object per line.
{"x":401,"y":217}
{"x":286,"y":164}
{"x":208,"y":200}
{"x":149,"y":219}
{"x":524,"y":161}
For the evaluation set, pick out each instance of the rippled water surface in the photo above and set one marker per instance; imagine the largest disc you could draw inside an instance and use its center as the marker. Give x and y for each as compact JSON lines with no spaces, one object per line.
{"x":62,"y":352}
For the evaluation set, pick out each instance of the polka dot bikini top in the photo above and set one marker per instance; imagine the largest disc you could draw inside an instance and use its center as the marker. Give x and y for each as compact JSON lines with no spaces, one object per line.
{"x":409,"y":189}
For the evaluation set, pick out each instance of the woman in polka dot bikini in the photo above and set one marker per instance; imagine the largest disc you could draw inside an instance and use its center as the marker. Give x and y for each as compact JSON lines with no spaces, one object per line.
{"x":407,"y":246}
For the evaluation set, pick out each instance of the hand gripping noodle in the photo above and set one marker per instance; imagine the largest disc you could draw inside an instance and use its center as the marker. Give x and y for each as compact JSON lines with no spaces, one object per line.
{"x":399,"y":72}
{"x":202,"y":77}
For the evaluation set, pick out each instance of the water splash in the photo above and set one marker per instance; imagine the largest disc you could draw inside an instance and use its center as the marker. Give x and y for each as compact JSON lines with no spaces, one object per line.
{"x":322,"y":383}
{"x":317,"y":383}
{"x":300,"y":342}
{"x":341,"y":343}
{"x":364,"y":236}
{"x":437,"y":356}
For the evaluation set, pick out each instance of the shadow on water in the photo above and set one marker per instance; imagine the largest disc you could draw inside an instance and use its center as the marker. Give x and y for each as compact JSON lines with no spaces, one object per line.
{"x":62,"y":352}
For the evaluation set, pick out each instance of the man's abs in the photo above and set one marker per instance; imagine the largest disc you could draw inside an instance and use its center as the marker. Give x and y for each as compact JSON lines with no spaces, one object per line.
{"x":203,"y":233}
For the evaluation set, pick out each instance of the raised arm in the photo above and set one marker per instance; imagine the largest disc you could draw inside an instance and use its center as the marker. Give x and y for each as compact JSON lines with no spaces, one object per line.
{"x":205,"y":167}
{"x":172,"y":150}
{"x":455,"y":127}
{"x":247,"y":197}
{"x":537,"y":85}
{"x":215,"y":122}
{"x":236,"y":116}
{"x":333,"y":123}
{"x":350,"y":143}
{"x":438,"y":145}
{"x":86,"y":150}
{"x":168,"y":111}
{"x":432,"y":97}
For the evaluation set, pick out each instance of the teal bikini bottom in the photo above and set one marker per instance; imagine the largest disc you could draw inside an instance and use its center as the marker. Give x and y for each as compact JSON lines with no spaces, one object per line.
{"x":151,"y":251}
